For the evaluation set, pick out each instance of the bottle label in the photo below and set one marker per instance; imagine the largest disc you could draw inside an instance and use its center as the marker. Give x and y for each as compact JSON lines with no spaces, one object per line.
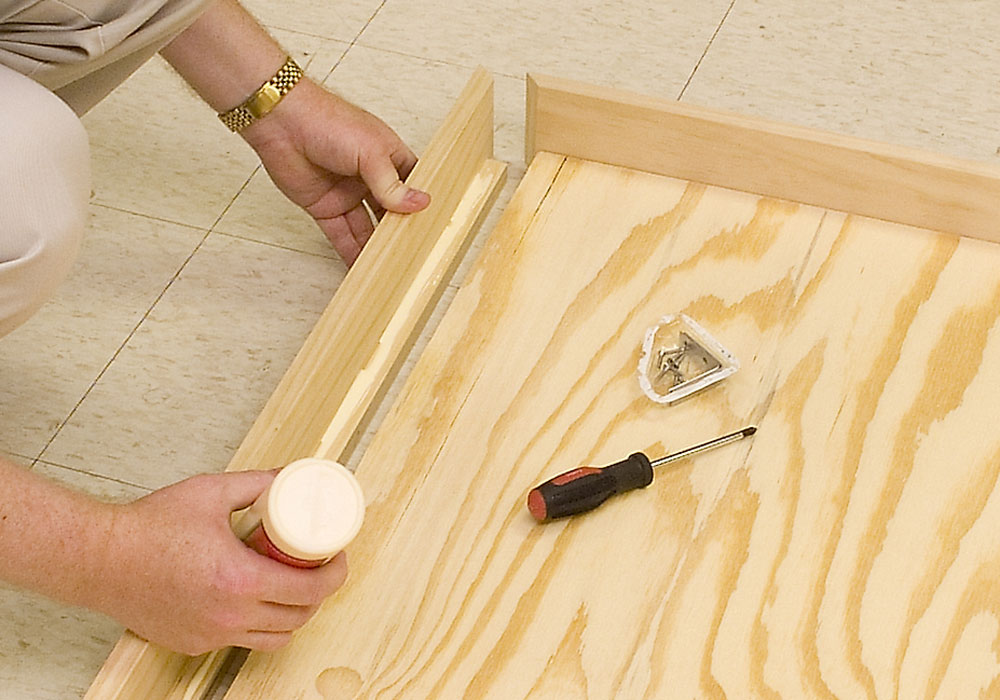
{"x":261,"y":543}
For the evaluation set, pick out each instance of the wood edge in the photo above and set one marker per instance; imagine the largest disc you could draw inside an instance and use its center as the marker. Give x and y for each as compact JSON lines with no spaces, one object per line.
{"x":427,"y":287}
{"x":477,"y":90}
{"x":380,"y":253}
{"x":547,"y":87}
{"x":931,"y":190}
{"x":493,"y":174}
{"x":530,"y":118}
{"x":496,"y":171}
{"x":117,"y":677}
{"x":517,"y":216}
{"x":533,"y":185}
{"x":138,"y":669}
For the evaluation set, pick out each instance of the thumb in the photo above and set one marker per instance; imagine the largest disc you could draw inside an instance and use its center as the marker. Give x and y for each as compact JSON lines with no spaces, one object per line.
{"x":240,"y":489}
{"x":389,"y":190}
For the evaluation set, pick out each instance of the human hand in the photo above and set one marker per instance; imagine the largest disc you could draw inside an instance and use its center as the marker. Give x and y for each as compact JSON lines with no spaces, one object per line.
{"x":328,"y":156}
{"x":177,"y":575}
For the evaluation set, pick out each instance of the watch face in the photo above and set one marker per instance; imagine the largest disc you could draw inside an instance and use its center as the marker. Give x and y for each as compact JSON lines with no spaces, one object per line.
{"x":263,"y":101}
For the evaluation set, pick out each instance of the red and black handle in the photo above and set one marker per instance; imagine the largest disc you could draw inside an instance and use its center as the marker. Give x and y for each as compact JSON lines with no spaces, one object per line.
{"x":585,"y":488}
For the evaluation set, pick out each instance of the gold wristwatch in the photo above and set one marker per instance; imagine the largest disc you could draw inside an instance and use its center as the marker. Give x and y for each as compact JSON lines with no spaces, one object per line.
{"x":264,"y":99}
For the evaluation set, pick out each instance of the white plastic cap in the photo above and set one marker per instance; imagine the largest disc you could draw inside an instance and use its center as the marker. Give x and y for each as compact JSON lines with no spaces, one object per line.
{"x":314,"y":509}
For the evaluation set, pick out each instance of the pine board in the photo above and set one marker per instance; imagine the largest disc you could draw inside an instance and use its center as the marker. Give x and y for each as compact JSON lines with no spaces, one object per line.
{"x":847,"y":551}
{"x":751,"y":154}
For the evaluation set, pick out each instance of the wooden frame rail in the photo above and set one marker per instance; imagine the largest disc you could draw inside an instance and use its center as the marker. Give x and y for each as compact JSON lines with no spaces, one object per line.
{"x":344,"y":363}
{"x":825,"y":169}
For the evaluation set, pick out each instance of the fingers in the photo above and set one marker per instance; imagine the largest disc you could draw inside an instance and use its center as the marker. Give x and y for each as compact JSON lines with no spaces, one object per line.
{"x":349,"y":233}
{"x":384,"y":178}
{"x":287,"y":585}
{"x":404,"y":160}
{"x":240,"y":489}
{"x":282,"y":618}
{"x":265,"y":641}
{"x":290,"y":599}
{"x":343,"y":239}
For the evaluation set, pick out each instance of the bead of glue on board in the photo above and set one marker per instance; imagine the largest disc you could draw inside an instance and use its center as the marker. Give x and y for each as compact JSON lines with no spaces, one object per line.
{"x":308,"y":514}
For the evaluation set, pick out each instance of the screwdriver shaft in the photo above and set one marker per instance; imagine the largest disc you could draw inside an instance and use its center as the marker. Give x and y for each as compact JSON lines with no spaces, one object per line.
{"x":705,"y":446}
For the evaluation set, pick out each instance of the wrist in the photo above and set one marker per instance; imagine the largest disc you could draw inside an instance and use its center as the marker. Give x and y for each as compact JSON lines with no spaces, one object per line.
{"x":87,"y":557}
{"x":282,"y":123}
{"x":264,"y":99}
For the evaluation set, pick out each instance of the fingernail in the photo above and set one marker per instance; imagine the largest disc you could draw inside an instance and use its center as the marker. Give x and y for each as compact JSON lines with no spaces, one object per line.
{"x":417,"y":197}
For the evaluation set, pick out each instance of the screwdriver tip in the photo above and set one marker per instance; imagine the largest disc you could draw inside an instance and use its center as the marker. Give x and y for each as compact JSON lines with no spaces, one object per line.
{"x":747,"y":432}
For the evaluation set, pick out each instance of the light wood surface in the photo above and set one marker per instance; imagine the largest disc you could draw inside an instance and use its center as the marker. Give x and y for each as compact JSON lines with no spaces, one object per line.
{"x":848,"y":550}
{"x":853,"y":175}
{"x":343,"y":365}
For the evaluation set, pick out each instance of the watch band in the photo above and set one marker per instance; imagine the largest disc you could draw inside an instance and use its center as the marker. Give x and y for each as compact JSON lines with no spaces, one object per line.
{"x":264,"y":99}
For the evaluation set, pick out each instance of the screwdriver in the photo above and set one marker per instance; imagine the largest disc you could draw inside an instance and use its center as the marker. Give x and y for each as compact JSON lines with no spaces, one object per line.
{"x":585,"y":488}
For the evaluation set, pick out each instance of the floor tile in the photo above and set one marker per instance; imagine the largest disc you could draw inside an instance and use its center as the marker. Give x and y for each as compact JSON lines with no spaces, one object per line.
{"x":181,"y":395}
{"x":885,"y":71}
{"x":49,"y":651}
{"x":343,"y":19}
{"x":182,"y":164}
{"x":413,"y":95}
{"x":102,"y":488}
{"x":644,"y":44}
{"x":261,"y":213}
{"x":125,"y":262}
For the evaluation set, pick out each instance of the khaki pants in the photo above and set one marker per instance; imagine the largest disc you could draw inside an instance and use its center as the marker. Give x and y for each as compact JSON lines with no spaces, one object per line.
{"x":58,"y":58}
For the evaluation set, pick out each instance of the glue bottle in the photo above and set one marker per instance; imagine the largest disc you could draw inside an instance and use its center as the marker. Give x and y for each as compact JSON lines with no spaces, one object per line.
{"x":309,"y":513}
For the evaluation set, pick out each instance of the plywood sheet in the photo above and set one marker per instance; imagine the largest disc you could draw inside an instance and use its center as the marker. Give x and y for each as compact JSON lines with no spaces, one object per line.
{"x":849,"y":550}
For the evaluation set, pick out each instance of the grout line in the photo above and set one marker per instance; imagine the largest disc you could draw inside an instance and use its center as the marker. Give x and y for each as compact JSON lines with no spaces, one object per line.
{"x":144,"y":215}
{"x":277,"y":246}
{"x":135,"y":328}
{"x":705,"y":52}
{"x":354,"y":41}
{"x":440,"y":61}
{"x":17,"y":456}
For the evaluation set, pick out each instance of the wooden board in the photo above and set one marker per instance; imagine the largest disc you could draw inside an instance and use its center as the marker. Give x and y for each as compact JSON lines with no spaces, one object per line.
{"x":342,"y":367}
{"x":898,"y":184}
{"x":847,"y":551}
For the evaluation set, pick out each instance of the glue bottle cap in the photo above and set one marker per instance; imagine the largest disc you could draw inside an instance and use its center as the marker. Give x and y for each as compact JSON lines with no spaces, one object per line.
{"x":314,"y":509}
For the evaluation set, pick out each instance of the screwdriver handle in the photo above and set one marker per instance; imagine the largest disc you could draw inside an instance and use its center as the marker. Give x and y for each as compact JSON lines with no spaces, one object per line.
{"x":585,"y":488}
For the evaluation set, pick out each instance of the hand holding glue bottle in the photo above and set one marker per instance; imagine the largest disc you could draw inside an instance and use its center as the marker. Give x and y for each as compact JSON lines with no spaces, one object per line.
{"x":306,"y":516}
{"x":167,"y":565}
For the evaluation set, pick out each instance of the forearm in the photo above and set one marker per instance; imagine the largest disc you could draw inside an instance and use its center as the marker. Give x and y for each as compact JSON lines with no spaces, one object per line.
{"x":52,"y":540}
{"x":225,"y":55}
{"x":325,"y":154}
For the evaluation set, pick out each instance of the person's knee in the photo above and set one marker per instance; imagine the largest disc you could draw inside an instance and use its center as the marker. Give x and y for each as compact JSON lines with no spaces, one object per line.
{"x":44,"y":190}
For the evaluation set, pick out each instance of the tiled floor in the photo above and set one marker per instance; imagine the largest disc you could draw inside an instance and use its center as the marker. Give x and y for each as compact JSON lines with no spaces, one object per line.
{"x":198,"y":282}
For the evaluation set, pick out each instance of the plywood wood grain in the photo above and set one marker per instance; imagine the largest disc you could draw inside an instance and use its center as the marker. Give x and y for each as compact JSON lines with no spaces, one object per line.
{"x":843,"y":553}
{"x":866,"y":508}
